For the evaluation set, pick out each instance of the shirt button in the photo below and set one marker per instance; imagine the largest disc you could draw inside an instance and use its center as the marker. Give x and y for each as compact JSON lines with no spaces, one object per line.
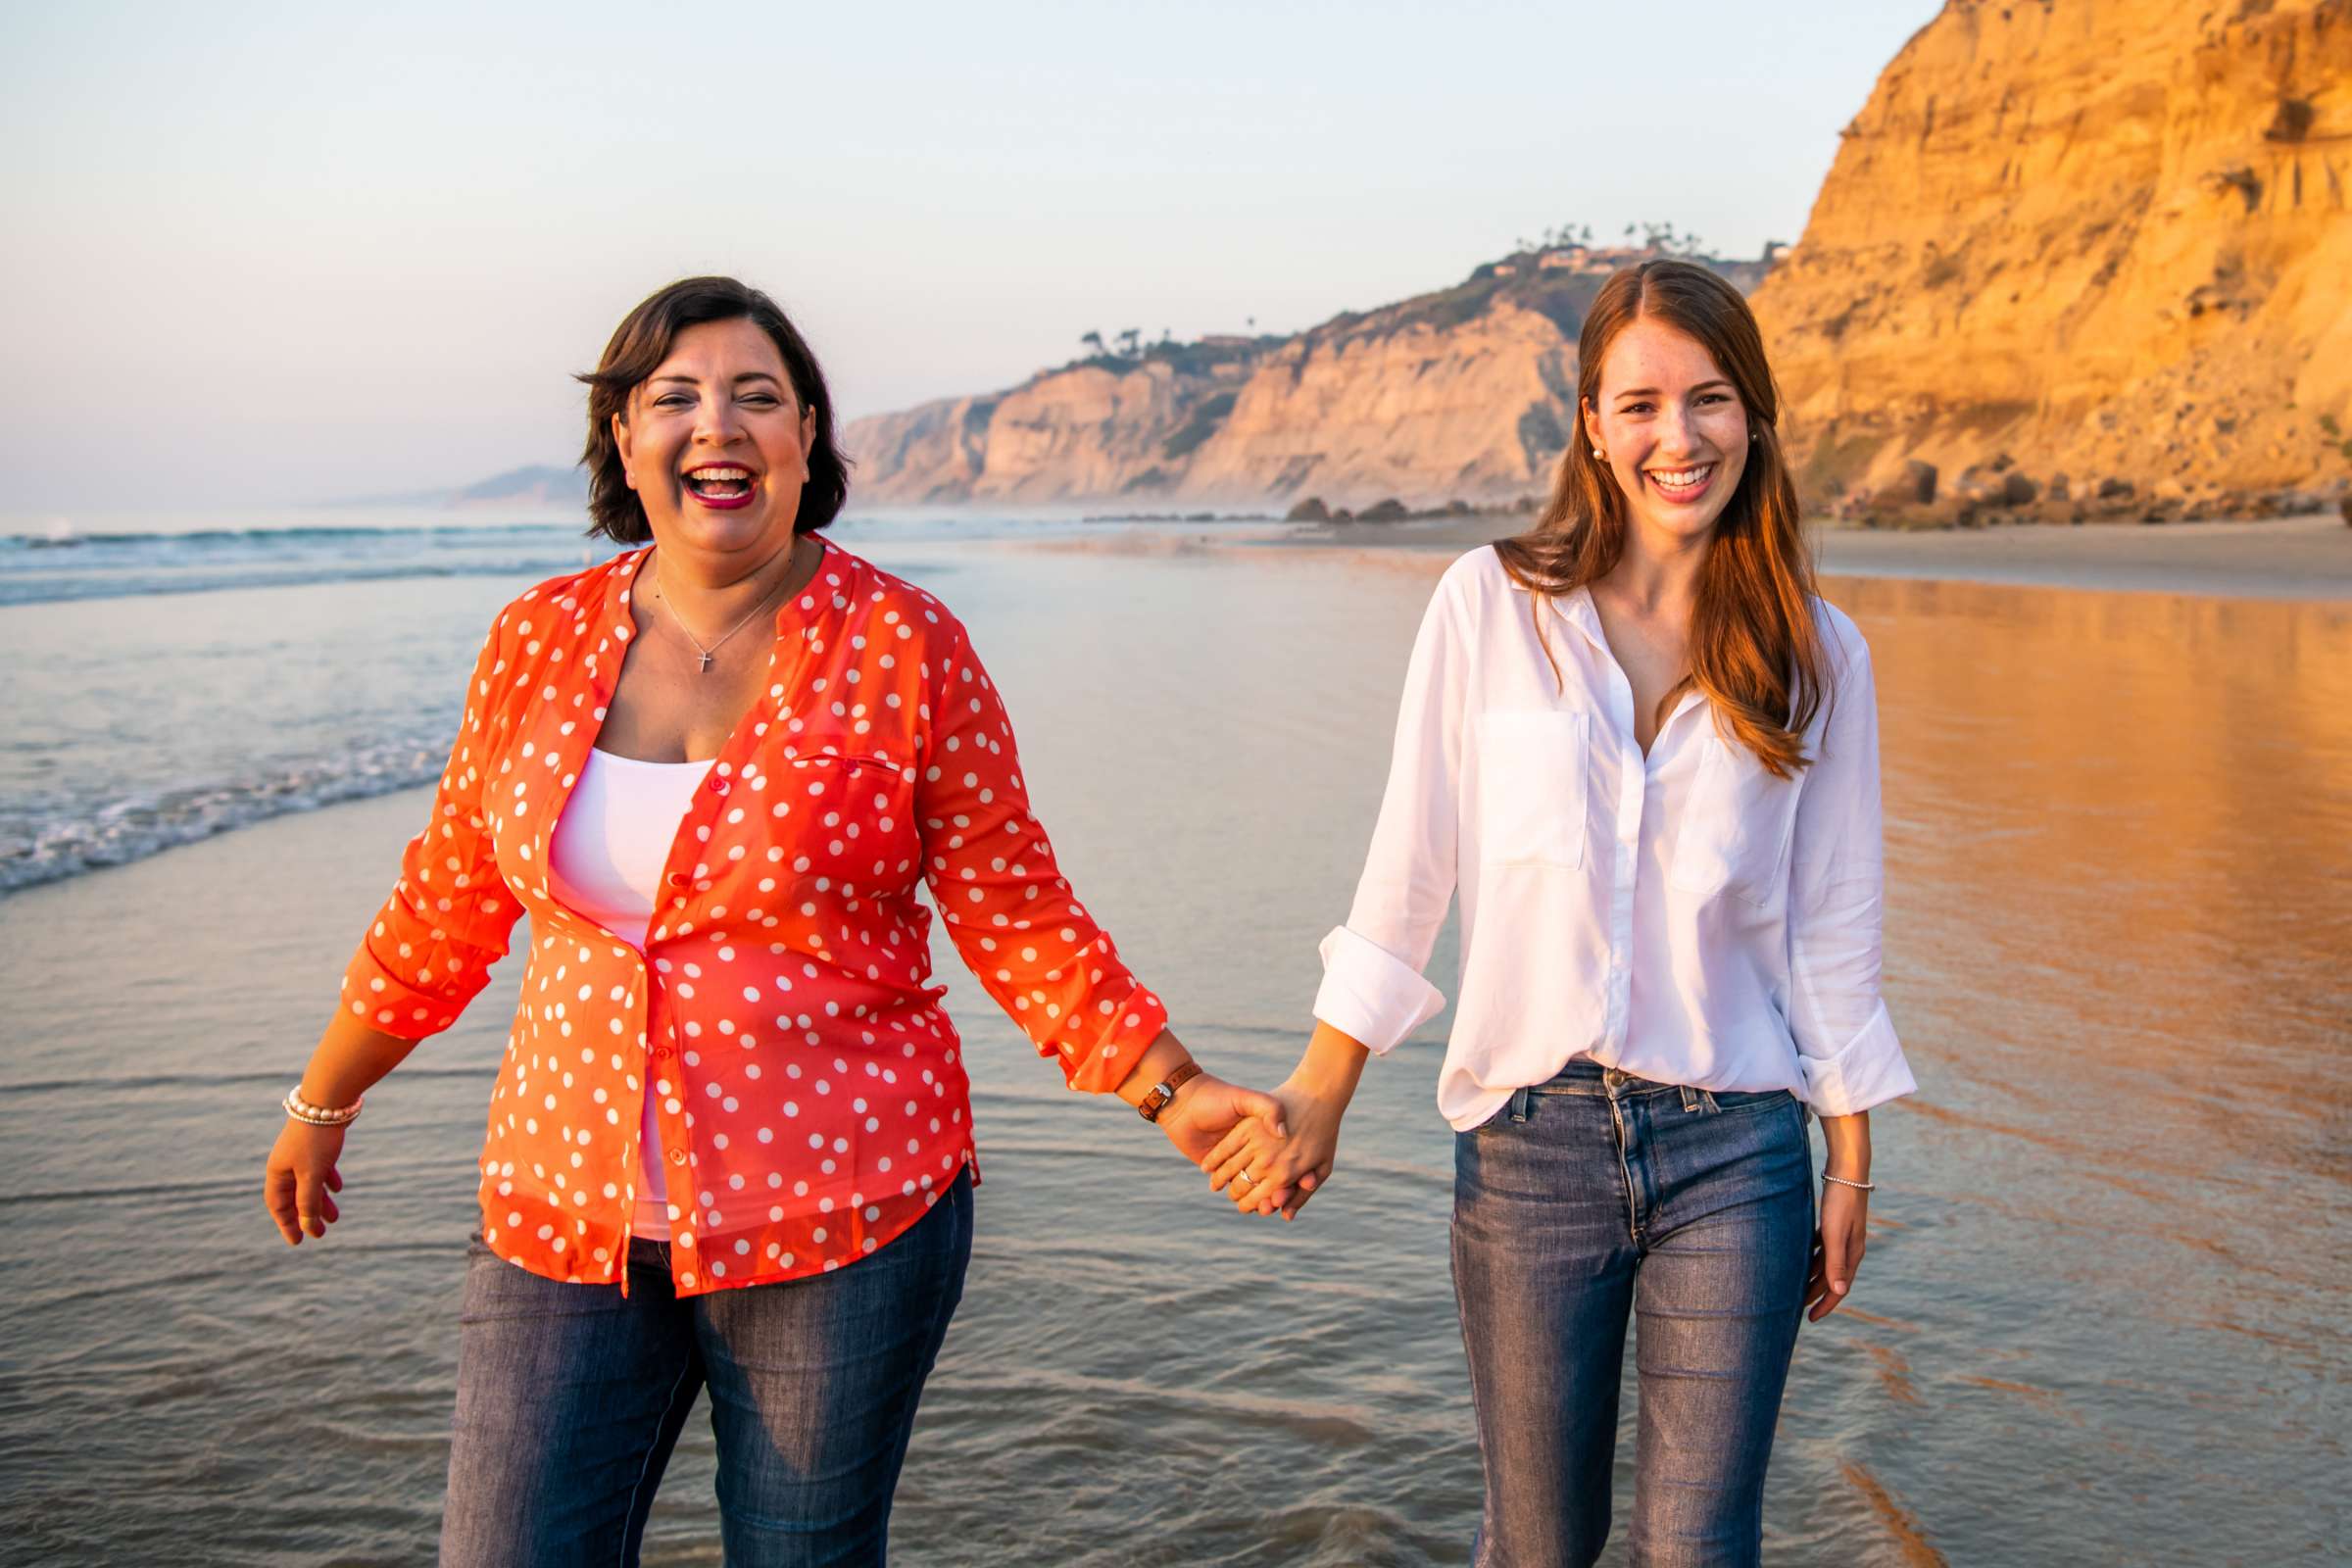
{"x":677,"y":1156}
{"x":677,"y":879}
{"x":718,"y":786}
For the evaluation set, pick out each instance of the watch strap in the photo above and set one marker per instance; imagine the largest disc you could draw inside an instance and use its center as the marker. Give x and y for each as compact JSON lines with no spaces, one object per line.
{"x":1153,"y":1103}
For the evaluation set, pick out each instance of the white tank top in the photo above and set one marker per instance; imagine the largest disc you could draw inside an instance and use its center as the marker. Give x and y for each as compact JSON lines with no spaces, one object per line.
{"x":605,"y":862}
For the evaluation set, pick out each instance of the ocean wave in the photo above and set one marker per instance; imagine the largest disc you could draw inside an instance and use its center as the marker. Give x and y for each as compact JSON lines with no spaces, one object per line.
{"x":53,"y":567}
{"x":51,"y":840}
{"x":70,"y":588}
{"x":70,"y":539}
{"x":66,"y":565}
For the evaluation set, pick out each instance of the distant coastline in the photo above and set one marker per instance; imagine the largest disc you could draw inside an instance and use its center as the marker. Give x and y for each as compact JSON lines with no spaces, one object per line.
{"x":536,"y":485}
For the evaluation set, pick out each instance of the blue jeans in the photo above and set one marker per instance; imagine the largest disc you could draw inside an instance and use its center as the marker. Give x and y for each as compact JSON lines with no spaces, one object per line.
{"x":569,"y":1399}
{"x":1600,"y":1194}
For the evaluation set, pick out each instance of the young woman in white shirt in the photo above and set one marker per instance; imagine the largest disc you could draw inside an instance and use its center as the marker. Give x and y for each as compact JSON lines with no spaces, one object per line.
{"x":1646,"y":753}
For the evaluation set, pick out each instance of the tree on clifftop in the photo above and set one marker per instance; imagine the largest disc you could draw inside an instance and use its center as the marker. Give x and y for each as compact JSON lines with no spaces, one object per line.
{"x":1094,"y":341}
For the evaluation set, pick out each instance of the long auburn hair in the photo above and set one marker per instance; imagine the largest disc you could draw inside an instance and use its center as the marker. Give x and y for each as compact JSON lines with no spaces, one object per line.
{"x":1755,"y":650}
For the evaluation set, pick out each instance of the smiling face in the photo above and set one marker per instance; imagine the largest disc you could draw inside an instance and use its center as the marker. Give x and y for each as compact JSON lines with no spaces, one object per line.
{"x":1673,"y":429}
{"x":715,"y":443}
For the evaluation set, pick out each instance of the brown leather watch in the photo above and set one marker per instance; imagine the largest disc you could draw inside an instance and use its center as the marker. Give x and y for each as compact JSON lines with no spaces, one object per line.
{"x":1152,"y":1105}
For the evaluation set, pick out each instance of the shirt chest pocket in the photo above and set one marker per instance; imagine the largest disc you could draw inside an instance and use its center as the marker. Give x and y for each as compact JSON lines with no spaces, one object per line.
{"x":1735,"y":828}
{"x":1532,"y":788}
{"x":852,"y":818}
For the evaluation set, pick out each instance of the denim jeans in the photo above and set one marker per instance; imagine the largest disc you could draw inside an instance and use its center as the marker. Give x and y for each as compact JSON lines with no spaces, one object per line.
{"x":1600,"y":1194}
{"x":569,"y":1399}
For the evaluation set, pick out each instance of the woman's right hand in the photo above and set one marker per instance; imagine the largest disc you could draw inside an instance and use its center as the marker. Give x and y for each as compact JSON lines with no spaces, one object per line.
{"x":300,"y":1177}
{"x":1284,"y":1171}
{"x":1267,"y":1171}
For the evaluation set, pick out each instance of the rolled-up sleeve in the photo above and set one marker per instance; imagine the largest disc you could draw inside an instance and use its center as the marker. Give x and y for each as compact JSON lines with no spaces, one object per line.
{"x":1373,"y":987}
{"x":429,"y":950}
{"x":1845,"y":1041}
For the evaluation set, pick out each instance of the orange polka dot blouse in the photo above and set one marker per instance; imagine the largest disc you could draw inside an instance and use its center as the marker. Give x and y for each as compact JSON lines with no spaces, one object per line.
{"x":809,"y":1090}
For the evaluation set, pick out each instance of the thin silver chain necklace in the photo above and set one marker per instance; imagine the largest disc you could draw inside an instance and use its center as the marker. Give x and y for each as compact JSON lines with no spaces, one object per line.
{"x":679,"y":621}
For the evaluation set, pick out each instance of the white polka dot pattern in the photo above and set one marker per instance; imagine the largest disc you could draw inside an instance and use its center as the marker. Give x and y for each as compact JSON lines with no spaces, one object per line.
{"x":809,"y":1088}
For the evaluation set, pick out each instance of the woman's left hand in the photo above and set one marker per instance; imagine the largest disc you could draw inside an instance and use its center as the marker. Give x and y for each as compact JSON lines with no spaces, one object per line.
{"x":1836,"y":1248}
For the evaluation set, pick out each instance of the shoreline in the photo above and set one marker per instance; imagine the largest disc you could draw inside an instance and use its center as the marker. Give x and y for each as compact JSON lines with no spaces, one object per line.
{"x":2307,"y":558}
{"x":2302,"y":562}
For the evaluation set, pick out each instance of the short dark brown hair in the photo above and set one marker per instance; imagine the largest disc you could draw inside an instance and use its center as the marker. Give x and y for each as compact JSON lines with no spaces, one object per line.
{"x":640,"y":344}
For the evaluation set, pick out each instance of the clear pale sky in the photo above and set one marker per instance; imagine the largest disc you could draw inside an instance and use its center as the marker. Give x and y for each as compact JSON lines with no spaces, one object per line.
{"x":262,"y":254}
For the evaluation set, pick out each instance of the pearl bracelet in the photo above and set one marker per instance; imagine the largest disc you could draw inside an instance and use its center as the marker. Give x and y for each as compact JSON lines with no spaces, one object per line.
{"x":1861,"y":1187}
{"x":302,"y":1110}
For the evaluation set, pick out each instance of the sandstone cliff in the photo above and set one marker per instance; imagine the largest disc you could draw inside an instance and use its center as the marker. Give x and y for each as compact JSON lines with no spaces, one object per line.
{"x":2099,"y":249}
{"x":1465,"y":393}
{"x":2103,"y":238}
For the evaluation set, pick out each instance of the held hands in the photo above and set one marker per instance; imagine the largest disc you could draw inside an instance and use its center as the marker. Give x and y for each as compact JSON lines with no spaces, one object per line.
{"x":300,"y":1176}
{"x":1206,"y":1108}
{"x":1274,"y":1165}
{"x":1265,"y":1171}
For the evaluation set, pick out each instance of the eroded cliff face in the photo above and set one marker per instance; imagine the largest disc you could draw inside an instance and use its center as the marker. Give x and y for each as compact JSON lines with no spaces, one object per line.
{"x":1083,"y":432}
{"x":2103,"y":238}
{"x":1476,"y":411}
{"x":1465,"y":393}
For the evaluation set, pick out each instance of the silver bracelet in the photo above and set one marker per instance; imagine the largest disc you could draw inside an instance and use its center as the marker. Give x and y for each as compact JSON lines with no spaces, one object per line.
{"x":302,"y":1110}
{"x":1862,"y":1187}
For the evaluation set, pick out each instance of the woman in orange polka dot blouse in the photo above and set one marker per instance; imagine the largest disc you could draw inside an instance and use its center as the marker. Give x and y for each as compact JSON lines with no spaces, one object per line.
{"x":731,"y":1138}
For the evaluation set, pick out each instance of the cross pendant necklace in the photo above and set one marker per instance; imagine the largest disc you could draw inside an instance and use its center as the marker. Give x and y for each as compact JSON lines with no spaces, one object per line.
{"x":705,"y":655}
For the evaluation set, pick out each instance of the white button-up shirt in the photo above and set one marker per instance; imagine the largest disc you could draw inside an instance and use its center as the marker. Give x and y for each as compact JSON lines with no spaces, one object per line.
{"x":1684,"y":916}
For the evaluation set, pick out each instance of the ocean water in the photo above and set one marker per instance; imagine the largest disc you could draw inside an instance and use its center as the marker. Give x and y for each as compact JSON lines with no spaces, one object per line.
{"x":2101,"y":1320}
{"x":169,"y":686}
